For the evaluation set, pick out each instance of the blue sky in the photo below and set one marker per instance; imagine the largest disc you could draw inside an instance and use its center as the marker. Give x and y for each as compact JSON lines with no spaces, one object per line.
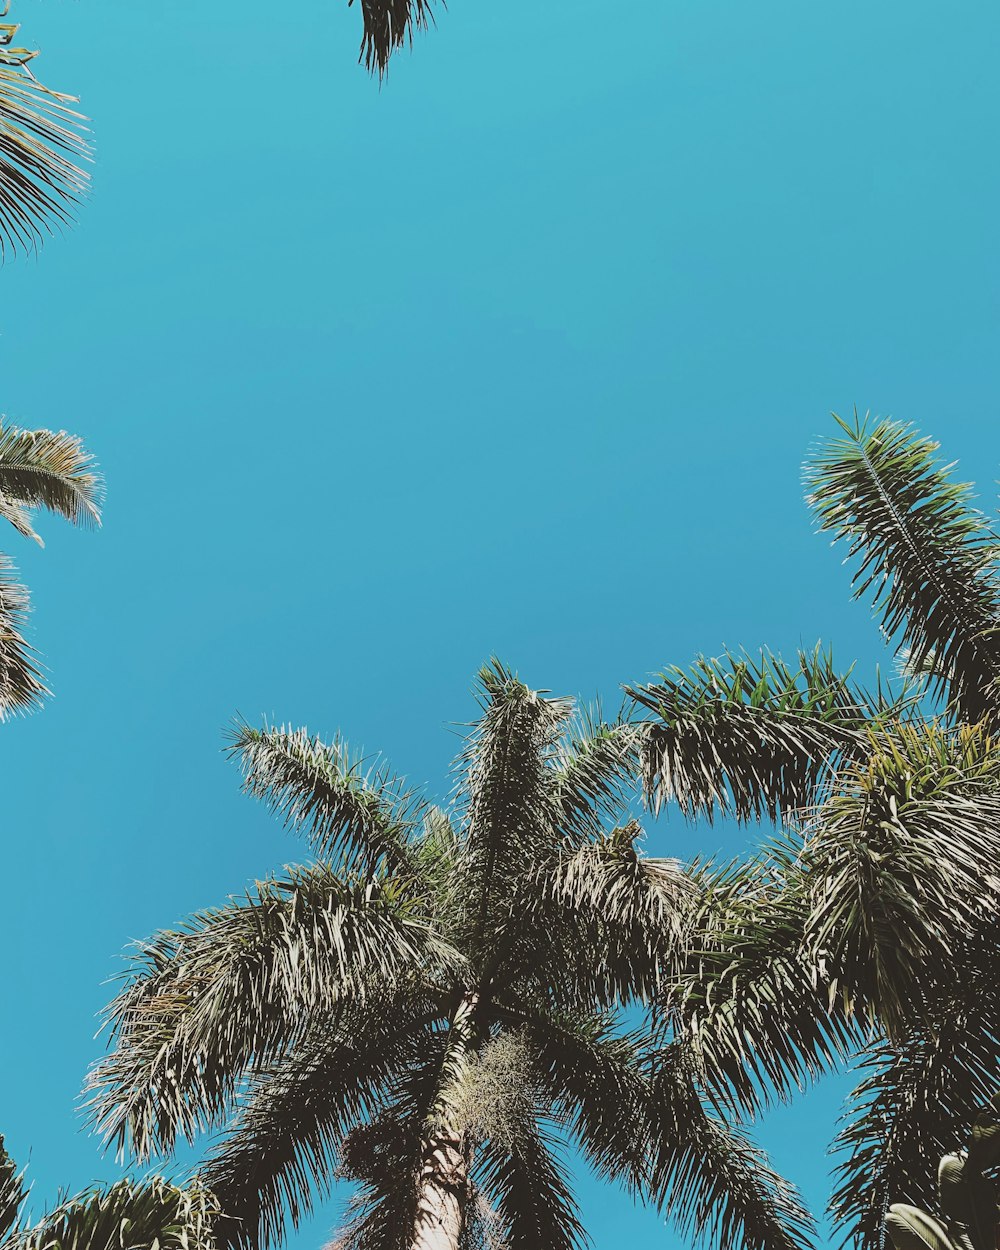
{"x":519,"y":354}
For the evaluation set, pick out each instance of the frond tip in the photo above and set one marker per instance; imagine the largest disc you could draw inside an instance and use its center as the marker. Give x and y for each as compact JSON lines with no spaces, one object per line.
{"x":42,"y":140}
{"x":389,"y":24}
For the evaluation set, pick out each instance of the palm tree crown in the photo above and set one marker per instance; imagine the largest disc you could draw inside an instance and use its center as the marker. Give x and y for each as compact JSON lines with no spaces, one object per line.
{"x":38,"y":469}
{"x":869,"y":926}
{"x":429,"y":1008}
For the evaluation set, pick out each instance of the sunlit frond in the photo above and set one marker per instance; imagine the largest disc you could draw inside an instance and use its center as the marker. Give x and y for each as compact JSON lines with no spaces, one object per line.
{"x":129,"y":1215}
{"x":42,"y":141}
{"x":344,"y":805}
{"x":750,"y":738}
{"x":21,"y":685}
{"x":238,"y":982}
{"x":923,"y":555}
{"x":47,"y":469}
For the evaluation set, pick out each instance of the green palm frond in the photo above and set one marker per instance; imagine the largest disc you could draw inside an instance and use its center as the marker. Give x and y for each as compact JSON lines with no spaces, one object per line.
{"x":595,"y":774}
{"x":750,"y":738}
{"x":129,"y":1215}
{"x":47,"y":469}
{"x":750,"y":1003}
{"x":284,"y":1148}
{"x":511,"y":816}
{"x":21,"y":685}
{"x":344,"y":806}
{"x":42,"y":141}
{"x":208,"y":1001}
{"x":924,"y":556}
{"x":12,"y":1193}
{"x":709,"y":1178}
{"x":613,"y":918}
{"x":388,"y":26}
{"x":900,"y":862}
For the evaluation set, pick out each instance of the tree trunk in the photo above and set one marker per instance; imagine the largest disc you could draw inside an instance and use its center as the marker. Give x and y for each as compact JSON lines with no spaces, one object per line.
{"x":442,"y":1195}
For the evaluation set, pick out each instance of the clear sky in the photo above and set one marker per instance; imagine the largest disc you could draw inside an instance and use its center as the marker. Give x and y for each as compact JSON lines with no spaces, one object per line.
{"x":519,"y":354}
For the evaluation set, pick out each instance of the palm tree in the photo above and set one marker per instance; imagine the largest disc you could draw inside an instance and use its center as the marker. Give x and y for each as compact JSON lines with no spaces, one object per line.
{"x":431,"y":1008}
{"x":868,"y":929}
{"x":38,"y":469}
{"x":388,"y":25}
{"x":42,"y":141}
{"x":128,"y":1215}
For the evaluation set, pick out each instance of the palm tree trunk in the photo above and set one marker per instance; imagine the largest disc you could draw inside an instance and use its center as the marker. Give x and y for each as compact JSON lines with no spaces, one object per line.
{"x":442,"y":1194}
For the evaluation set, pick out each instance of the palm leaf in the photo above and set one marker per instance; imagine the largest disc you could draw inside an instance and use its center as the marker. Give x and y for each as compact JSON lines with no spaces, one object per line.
{"x":41,"y":142}
{"x":21,"y":685}
{"x":12,"y":1193}
{"x":389,"y":26}
{"x":47,"y":469}
{"x":924,"y":556}
{"x":709,"y":1178}
{"x":527,"y":1186}
{"x":343,"y":807}
{"x":284,"y":1147}
{"x":152,"y":1215}
{"x":750,"y":738}
{"x":241,"y":983}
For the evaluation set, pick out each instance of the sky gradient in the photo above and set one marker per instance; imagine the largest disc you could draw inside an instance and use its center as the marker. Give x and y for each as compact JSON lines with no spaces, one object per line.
{"x":518,"y":354}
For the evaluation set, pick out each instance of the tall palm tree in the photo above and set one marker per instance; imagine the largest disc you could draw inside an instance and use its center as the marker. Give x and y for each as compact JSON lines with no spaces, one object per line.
{"x":42,"y":144}
{"x":38,"y":469}
{"x":869,"y":927}
{"x":128,"y":1215}
{"x":430,"y":1008}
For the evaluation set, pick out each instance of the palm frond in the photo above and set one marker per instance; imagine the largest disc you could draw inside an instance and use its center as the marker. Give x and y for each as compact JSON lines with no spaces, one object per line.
{"x":41,"y":142}
{"x":527,"y":1185}
{"x":149,"y":1215}
{"x":924,"y":556}
{"x":241,"y":983}
{"x":918,"y":1095}
{"x":709,"y":1178}
{"x":610,"y":918}
{"x":389,"y":26}
{"x":344,"y":806}
{"x":511,"y":814}
{"x":284,"y":1147}
{"x":750,"y":738}
{"x":899,"y":863}
{"x":748,"y":1000}
{"x":12,"y":1192}
{"x":47,"y":469}
{"x":21,"y":685}
{"x":595,"y":774}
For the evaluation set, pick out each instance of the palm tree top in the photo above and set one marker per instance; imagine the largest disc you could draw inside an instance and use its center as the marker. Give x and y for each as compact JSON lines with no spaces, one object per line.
{"x":430,"y":1008}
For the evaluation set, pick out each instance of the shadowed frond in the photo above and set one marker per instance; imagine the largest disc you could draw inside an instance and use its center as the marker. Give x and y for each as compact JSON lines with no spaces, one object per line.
{"x":343,"y":808}
{"x":917,"y":1095}
{"x":41,"y":141}
{"x":284,"y":1148}
{"x":709,"y":1178}
{"x":46,"y":469}
{"x":21,"y":685}
{"x":750,"y":738}
{"x":511,"y":815}
{"x":924,"y":555}
{"x":749,"y":1002}
{"x":528,"y":1187}
{"x":208,"y":1002}
{"x":12,"y":1192}
{"x":899,"y":864}
{"x":389,"y":26}
{"x":129,"y":1215}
